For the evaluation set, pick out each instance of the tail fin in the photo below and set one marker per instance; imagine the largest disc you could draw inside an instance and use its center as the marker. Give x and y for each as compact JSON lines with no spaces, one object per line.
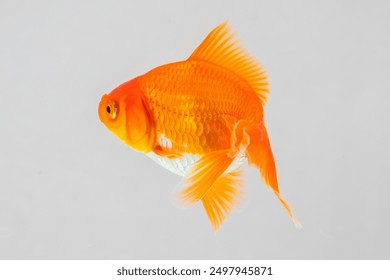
{"x":259,"y":154}
{"x":219,"y":191}
{"x":222,"y":197}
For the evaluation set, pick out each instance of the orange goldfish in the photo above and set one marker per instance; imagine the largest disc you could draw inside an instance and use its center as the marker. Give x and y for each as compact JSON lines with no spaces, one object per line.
{"x":200,"y":118}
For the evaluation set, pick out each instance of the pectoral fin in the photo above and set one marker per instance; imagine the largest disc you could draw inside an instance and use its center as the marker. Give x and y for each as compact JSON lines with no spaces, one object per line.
{"x":166,"y":152}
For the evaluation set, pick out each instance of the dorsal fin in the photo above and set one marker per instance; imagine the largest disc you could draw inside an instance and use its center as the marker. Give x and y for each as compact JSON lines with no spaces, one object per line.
{"x":222,"y":48}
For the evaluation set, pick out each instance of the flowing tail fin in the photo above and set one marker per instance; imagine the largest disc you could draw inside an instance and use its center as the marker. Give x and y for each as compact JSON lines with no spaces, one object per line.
{"x":259,"y":154}
{"x":207,"y":181}
{"x":222,"y":197}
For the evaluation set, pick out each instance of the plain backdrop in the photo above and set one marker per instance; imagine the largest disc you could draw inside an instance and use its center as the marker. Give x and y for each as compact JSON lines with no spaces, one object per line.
{"x":69,"y":189}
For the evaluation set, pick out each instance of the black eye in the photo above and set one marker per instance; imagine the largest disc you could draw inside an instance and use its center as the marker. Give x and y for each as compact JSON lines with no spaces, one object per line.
{"x":112,"y":109}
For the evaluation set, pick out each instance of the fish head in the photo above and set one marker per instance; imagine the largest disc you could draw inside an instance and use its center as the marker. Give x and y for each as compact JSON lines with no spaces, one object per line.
{"x":111,"y":115}
{"x":125,"y":112}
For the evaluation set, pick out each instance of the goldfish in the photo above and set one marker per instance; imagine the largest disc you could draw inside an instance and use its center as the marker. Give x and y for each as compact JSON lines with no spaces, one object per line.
{"x":200,"y":118}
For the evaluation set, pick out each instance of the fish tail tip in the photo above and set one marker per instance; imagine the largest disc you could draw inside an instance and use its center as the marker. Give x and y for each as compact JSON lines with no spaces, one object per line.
{"x":178,"y":200}
{"x":297,"y":224}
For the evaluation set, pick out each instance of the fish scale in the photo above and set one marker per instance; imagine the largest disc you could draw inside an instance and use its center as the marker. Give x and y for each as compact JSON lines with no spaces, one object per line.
{"x":191,"y":109}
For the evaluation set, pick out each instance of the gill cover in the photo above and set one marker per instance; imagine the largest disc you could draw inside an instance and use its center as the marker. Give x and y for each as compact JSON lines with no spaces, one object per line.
{"x":140,"y":126}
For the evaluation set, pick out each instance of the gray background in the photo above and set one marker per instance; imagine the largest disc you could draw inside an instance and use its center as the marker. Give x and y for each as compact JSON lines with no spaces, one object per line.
{"x":71,"y":190}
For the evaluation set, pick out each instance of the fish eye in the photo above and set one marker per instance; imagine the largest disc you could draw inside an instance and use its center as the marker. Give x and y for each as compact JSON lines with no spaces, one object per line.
{"x":112,"y":110}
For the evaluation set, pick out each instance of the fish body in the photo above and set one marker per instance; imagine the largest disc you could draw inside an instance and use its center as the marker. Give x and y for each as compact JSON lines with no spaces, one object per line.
{"x":187,"y":110}
{"x":198,"y":122}
{"x":200,"y":118}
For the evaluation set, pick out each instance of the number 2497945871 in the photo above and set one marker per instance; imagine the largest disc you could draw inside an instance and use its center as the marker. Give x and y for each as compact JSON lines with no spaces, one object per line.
{"x":236,"y":270}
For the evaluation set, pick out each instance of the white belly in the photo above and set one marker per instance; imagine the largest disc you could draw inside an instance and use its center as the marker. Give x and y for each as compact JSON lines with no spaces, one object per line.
{"x":182,"y":165}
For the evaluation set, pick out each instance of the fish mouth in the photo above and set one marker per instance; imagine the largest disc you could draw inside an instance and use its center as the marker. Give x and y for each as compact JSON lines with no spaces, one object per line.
{"x":101,"y":108}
